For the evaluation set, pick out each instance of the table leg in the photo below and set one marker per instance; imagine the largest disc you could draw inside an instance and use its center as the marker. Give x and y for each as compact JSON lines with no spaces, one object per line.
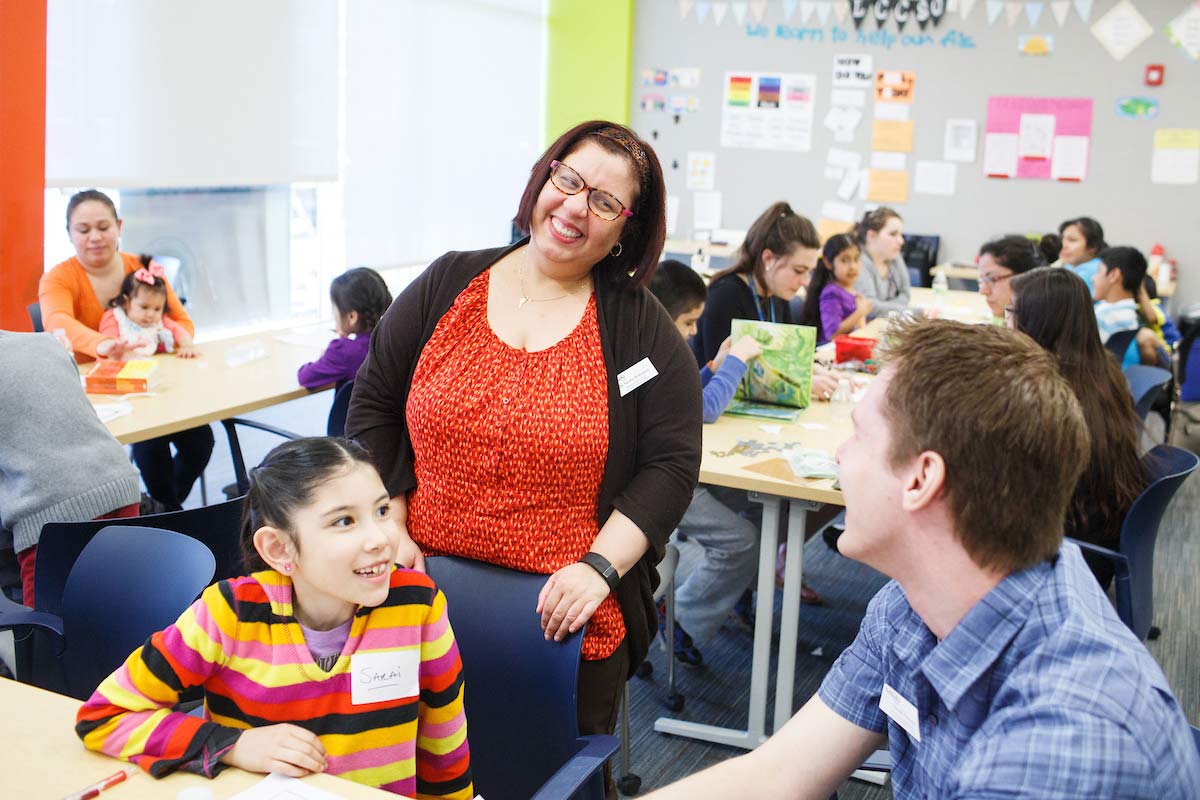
{"x":789,"y":618}
{"x":755,"y":734}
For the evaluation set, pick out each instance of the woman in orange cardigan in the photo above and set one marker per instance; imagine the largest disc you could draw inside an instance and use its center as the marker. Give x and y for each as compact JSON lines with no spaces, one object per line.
{"x":74,"y":296}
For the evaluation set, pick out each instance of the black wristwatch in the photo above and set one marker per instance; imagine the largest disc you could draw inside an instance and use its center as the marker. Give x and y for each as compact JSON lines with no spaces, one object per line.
{"x":604,"y":567}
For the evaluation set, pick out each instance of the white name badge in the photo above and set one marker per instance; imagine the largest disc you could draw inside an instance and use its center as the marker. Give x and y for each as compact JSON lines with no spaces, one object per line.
{"x":635,"y":376}
{"x":391,"y":675}
{"x":902,"y":712}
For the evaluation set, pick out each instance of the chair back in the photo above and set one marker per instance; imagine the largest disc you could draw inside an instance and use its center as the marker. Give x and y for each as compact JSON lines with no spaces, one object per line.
{"x":128,"y":583}
{"x":336,"y":426}
{"x":1166,"y":468}
{"x":1119,"y":342}
{"x":1145,"y":384}
{"x":520,"y":694}
{"x":216,"y":526}
{"x":35,"y":316}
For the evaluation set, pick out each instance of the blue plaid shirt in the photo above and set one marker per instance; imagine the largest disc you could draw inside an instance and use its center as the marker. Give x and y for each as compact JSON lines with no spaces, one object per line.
{"x":1040,"y":691}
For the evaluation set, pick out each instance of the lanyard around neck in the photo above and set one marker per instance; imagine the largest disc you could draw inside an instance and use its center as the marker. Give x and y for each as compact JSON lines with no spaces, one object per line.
{"x":757,"y":304}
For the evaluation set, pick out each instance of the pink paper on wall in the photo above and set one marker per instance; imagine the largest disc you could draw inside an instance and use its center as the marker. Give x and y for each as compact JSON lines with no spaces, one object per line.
{"x":1072,"y":117}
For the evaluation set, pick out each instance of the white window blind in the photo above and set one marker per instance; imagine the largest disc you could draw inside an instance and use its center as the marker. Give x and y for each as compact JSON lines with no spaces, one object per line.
{"x":443,"y":121}
{"x":173,"y":94}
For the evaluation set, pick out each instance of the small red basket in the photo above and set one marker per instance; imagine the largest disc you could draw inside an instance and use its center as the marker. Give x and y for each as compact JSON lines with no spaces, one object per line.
{"x":853,"y":348}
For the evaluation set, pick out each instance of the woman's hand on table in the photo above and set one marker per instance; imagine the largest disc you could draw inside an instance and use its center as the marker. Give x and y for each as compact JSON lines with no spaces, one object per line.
{"x":569,"y":599}
{"x":287,"y":749}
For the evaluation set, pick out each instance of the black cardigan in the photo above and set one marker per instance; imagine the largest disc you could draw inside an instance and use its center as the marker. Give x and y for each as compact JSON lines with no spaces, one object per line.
{"x":730,"y":298}
{"x":654,"y":432}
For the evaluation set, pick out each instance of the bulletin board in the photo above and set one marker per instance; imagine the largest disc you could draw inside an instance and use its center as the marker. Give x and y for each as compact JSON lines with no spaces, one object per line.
{"x":902,"y":110}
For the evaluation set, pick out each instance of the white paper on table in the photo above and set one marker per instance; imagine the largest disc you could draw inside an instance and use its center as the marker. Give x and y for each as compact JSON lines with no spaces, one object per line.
{"x":842,"y":212}
{"x":672,"y":214}
{"x":107,"y":412}
{"x":898,"y":112}
{"x":1175,"y":166}
{"x":1036,"y":138}
{"x":960,"y":140}
{"x":891,"y":161}
{"x":1000,"y":155}
{"x":935,"y":177}
{"x":1069,"y":162}
{"x":833,"y":173}
{"x":843,"y":158}
{"x":848,"y":97}
{"x":701,"y":170}
{"x":706,"y":211}
{"x":281,"y":787}
{"x":848,"y":186}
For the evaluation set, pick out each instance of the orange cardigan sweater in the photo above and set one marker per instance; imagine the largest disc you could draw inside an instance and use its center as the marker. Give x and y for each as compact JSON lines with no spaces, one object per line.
{"x":69,"y":302}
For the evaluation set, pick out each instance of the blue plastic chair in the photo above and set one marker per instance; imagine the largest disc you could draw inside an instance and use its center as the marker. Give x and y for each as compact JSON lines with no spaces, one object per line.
{"x":127,"y":583}
{"x":1145,"y":384}
{"x":521,"y":690}
{"x":335,"y":425}
{"x":1118,"y":343}
{"x":1166,"y":469}
{"x":35,"y":316}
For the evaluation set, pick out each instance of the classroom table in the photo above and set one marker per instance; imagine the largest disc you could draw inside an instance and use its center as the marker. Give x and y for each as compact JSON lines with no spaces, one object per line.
{"x":760,"y":468}
{"x":42,"y":758}
{"x":232,"y":376}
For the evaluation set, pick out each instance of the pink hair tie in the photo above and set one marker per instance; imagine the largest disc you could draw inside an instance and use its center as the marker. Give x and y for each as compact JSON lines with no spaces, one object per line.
{"x":148,"y":274}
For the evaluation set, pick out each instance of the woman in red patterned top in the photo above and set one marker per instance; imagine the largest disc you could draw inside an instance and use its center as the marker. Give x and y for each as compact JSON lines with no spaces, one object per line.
{"x":533,"y":407}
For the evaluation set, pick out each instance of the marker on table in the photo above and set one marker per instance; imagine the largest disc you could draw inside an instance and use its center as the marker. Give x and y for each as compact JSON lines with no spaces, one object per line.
{"x":100,"y":786}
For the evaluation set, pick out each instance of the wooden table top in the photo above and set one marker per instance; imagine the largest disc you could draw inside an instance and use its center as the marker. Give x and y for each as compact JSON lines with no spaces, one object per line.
{"x":231,"y":377}
{"x":42,"y":758}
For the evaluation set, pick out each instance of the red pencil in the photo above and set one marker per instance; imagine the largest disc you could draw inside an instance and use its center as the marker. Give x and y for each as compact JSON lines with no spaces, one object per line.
{"x":97,"y":788}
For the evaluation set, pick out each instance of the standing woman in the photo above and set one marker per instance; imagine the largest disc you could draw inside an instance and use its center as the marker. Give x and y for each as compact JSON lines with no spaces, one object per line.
{"x":533,"y":406}
{"x":1054,"y":308}
{"x":773,"y":263}
{"x":884,"y":276}
{"x":1082,"y":240}
{"x":74,"y":295}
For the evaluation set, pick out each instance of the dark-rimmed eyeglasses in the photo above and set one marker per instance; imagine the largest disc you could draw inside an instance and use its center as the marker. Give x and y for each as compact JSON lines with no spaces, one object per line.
{"x":992,"y":280}
{"x":599,"y":202}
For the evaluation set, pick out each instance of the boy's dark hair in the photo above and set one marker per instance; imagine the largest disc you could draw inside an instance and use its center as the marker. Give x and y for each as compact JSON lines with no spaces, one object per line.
{"x":363,"y":290}
{"x":1015,"y":253}
{"x":1130,"y":262}
{"x":133,"y":284}
{"x":678,"y":287}
{"x":286,"y":480}
{"x":86,"y":195}
{"x":1093,"y":234}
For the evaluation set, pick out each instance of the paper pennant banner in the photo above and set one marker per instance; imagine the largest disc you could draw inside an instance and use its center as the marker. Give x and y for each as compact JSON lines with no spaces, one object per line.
{"x":1061,"y":8}
{"x":789,"y":8}
{"x":1013,"y":11}
{"x":823,"y":9}
{"x":1084,"y":9}
{"x":739,"y":12}
{"x":1184,"y":31}
{"x":1033,"y":12}
{"x":840,"y":12}
{"x":685,"y":8}
{"x":719,"y":10}
{"x":994,"y":7}
{"x":701,"y":11}
{"x":1122,"y":29}
{"x":758,"y":8}
{"x":807,"y":7}
{"x":965,"y":6}
{"x":951,"y":6}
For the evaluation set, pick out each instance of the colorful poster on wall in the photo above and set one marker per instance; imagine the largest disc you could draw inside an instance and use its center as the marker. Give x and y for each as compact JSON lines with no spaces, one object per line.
{"x":701,"y":170}
{"x":1184,"y":31}
{"x":1022,"y":137}
{"x":1176,"y":157}
{"x":768,"y":111}
{"x":894,"y":86}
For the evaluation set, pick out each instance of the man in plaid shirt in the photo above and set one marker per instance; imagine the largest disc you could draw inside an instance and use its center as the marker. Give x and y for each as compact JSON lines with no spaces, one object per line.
{"x":992,"y":664}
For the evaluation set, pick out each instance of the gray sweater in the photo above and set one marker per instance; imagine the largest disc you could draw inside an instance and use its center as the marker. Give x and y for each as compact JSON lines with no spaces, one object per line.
{"x":886,"y":294}
{"x":58,"y":463}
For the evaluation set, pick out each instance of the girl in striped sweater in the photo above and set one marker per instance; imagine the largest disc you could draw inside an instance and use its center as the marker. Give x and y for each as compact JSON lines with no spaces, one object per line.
{"x":328,"y":658}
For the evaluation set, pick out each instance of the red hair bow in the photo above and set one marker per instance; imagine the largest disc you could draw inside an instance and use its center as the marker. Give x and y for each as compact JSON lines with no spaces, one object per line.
{"x":148,"y":274}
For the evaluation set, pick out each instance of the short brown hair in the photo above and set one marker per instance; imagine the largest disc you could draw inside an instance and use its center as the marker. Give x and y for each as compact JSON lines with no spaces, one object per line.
{"x":994,"y":406}
{"x":646,"y":231}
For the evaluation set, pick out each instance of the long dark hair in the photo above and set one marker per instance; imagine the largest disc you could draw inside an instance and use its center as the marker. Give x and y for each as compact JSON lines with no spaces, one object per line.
{"x":1054,"y":308}
{"x":285,"y":482}
{"x":778,"y":229}
{"x":1093,"y":233}
{"x":363,"y":290}
{"x":822,"y":276}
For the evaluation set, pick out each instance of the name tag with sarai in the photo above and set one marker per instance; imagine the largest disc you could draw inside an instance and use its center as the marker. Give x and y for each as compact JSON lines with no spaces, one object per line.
{"x":378,"y":677}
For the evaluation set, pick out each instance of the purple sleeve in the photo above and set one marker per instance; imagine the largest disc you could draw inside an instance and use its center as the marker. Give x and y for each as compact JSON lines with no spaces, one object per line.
{"x":339,"y":362}
{"x":833,"y":311}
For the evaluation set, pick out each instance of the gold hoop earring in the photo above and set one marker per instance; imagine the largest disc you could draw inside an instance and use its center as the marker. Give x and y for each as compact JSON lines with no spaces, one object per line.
{"x":616,"y":251}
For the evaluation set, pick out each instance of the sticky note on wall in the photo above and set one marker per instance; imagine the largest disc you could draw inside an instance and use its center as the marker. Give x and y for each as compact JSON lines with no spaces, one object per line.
{"x":892,"y":136}
{"x":887,"y":186}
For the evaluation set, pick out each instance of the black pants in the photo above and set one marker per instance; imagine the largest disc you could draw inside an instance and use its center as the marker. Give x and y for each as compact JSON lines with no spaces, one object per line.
{"x":601,"y":684}
{"x":169,"y":479}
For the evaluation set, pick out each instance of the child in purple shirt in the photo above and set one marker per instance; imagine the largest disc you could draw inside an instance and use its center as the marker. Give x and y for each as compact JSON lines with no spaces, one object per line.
{"x":359,"y":298}
{"x":831,"y":305}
